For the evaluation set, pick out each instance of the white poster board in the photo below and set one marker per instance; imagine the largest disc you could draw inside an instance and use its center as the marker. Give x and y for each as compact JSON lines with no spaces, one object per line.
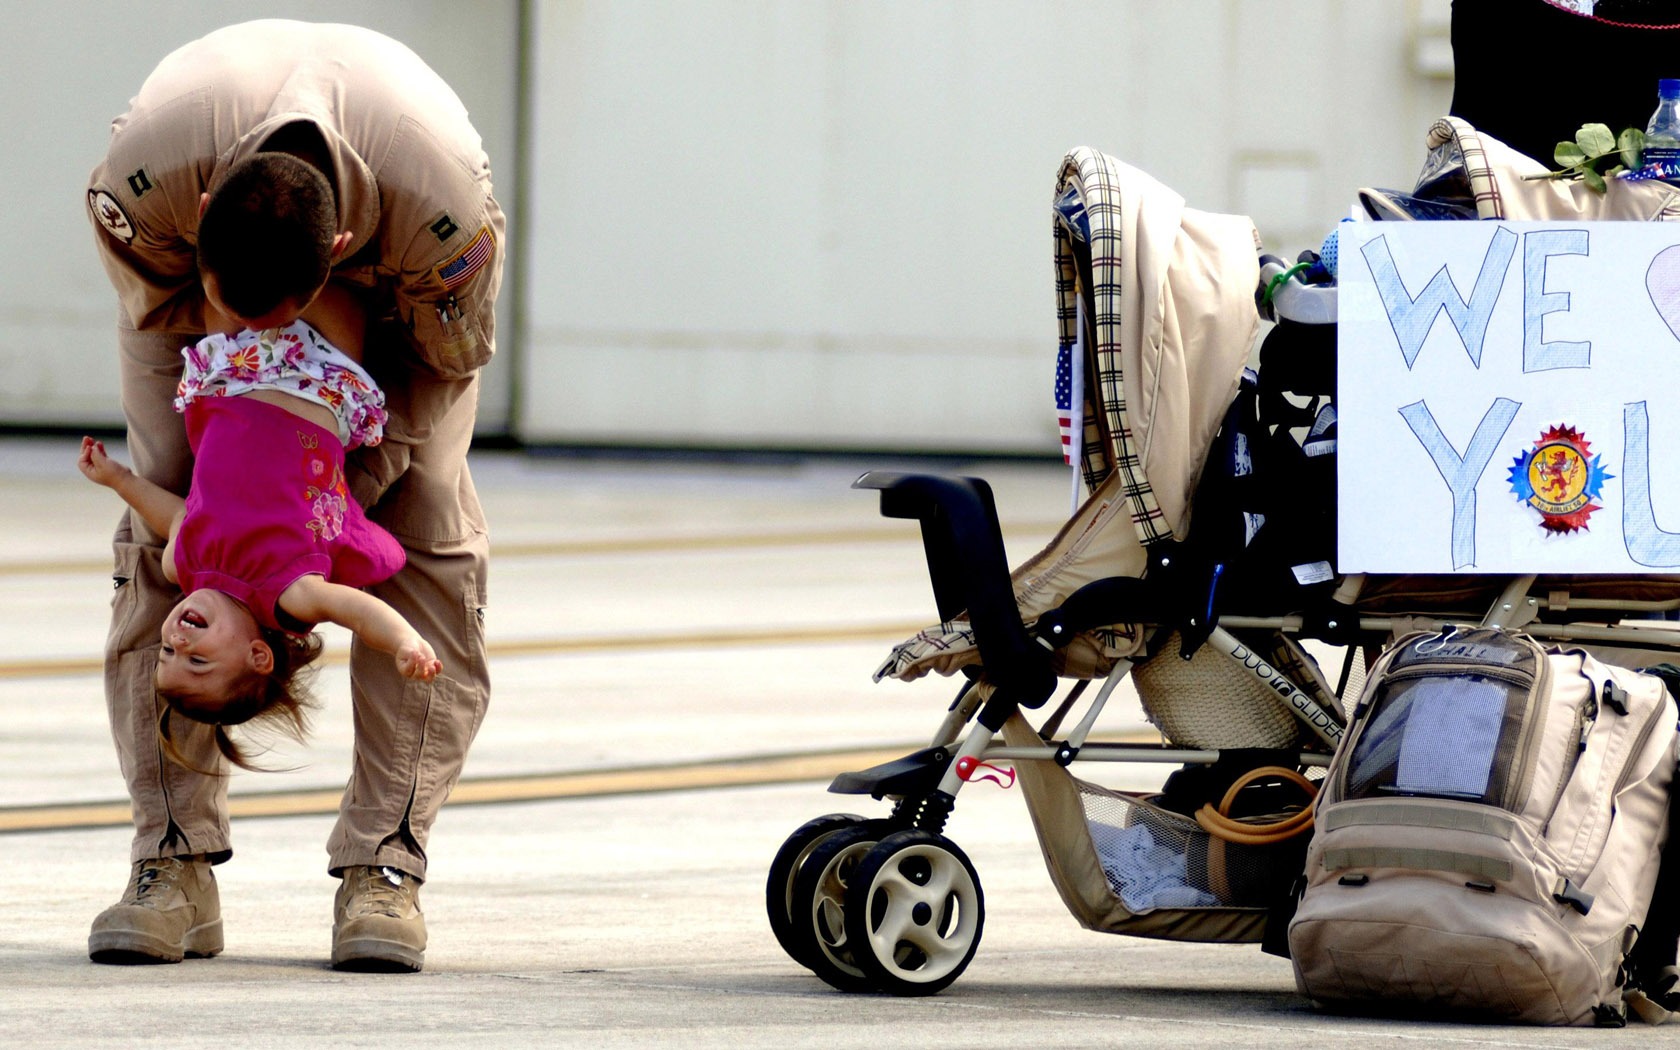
{"x":1508,"y":397}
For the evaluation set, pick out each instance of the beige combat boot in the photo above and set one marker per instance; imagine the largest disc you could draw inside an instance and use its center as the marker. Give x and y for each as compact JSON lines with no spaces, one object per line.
{"x":170,"y":910}
{"x":377,"y":925}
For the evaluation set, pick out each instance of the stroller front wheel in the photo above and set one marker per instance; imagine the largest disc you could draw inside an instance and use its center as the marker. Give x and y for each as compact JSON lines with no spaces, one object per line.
{"x":914,"y":912}
{"x":818,"y":908}
{"x":784,"y":869}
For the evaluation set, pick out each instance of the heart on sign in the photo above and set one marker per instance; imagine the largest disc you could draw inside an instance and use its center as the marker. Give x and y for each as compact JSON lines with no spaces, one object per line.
{"x":1662,"y":283}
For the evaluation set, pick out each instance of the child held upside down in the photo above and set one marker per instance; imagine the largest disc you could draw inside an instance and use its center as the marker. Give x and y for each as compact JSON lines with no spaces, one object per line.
{"x":268,"y":542}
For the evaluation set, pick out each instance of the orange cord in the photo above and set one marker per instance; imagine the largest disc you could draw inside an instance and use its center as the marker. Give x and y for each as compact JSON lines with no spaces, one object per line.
{"x":1218,"y":823}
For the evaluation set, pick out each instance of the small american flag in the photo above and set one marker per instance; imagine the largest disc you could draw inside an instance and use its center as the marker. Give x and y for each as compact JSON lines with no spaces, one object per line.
{"x":1070,"y":400}
{"x":469,"y":261}
{"x":1064,"y":403}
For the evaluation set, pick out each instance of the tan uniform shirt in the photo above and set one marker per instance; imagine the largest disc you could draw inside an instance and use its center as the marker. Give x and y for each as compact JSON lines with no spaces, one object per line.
{"x":412,"y":178}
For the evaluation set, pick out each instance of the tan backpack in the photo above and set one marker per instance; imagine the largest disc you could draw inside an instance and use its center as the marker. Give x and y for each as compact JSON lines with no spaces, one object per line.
{"x":1488,"y":835}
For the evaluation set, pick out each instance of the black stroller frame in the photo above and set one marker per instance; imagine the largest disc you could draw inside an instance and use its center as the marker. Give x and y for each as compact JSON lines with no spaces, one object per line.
{"x":890,"y":904}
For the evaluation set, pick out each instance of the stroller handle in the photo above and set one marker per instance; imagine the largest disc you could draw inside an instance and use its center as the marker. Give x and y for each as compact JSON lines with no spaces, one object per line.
{"x":970,"y":574}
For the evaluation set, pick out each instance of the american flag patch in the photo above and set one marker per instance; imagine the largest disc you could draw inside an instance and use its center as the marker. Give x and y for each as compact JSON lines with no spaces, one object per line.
{"x":459,"y":270}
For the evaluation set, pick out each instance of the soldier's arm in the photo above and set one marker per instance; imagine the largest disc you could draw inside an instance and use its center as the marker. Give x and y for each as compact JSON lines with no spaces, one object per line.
{"x":446,"y":307}
{"x":150,"y":264}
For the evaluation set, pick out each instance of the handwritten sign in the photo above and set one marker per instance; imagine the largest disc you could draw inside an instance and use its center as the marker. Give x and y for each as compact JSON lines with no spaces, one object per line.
{"x":1509,"y":397}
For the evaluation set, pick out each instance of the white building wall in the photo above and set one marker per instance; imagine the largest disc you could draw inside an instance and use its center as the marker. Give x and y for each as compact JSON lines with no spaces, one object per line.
{"x":779,"y":223}
{"x":827,"y":224}
{"x":69,"y":68}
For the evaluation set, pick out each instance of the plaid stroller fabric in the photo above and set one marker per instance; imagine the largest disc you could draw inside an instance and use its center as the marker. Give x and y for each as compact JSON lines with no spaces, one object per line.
{"x":1466,"y":167}
{"x":1168,"y":304}
{"x":1171,"y":320}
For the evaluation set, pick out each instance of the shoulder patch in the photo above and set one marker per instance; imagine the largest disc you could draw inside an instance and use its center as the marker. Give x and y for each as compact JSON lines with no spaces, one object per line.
{"x":109,"y":214}
{"x":139,"y":184}
{"x":459,"y":269}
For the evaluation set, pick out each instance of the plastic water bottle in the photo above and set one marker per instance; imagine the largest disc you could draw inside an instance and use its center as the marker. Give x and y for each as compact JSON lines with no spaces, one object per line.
{"x":1662,"y":134}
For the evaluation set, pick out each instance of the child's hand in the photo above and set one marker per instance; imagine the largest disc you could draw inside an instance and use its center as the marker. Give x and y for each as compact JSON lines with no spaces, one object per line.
{"x":98,"y":467}
{"x":415,"y":659}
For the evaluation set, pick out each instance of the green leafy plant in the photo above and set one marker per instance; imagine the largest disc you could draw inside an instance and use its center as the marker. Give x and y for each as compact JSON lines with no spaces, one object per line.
{"x":1594,"y":147}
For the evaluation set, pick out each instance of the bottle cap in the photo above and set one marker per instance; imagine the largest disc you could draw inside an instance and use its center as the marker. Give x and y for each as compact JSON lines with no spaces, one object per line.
{"x":1668,"y":88}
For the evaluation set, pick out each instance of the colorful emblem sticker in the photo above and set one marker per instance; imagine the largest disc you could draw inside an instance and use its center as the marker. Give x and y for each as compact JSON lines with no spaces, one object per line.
{"x":110,"y":215}
{"x":1560,"y":478}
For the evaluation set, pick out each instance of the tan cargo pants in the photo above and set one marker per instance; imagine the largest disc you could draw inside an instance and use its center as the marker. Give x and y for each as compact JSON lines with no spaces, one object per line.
{"x":411,"y":738}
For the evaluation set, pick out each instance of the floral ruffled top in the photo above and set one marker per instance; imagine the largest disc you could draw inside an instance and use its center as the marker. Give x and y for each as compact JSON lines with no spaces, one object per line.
{"x":295,"y":359}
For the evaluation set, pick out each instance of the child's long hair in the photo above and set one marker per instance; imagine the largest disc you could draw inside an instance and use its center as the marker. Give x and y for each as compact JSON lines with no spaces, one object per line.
{"x":278,"y":702}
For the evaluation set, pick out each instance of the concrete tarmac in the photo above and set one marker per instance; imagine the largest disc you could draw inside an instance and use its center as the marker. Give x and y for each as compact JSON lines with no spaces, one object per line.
{"x":682,"y":654}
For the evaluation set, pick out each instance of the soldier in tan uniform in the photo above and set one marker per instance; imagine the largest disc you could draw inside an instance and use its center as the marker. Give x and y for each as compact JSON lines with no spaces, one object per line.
{"x":420,"y":237}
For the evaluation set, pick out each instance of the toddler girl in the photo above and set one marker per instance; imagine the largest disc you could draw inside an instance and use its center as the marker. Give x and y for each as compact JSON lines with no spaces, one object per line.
{"x":268,"y":542}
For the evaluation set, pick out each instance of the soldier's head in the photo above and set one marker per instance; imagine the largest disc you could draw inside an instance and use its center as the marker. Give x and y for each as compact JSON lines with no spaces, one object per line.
{"x":267,"y":236}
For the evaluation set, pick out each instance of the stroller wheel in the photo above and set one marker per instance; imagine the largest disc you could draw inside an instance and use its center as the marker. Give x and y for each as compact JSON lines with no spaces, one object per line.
{"x":914,"y":911}
{"x":778,"y":888}
{"x":818,"y":927}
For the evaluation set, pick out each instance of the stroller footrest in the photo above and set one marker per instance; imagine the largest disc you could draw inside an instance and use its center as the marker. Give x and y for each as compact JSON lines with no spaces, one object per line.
{"x":914,"y":774}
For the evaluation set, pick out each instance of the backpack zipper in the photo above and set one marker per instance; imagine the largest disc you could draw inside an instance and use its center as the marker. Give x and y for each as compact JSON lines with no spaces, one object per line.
{"x":1532,"y":728}
{"x":1639,"y":743}
{"x":1629,"y":761}
{"x":1586,"y":716}
{"x":1444,"y":669}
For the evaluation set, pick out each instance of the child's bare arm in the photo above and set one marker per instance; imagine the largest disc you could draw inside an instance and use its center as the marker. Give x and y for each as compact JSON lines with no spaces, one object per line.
{"x":315,"y":600}
{"x":159,"y":508}
{"x":337,"y":313}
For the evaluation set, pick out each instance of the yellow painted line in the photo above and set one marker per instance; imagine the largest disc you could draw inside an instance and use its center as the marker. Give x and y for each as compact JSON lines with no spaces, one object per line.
{"x":743,"y":772}
{"x":702,"y":639}
{"x":620,"y":545}
{"x":888,"y":632}
{"x":86,"y":567}
{"x":52,"y":668}
{"x":750,"y":771}
{"x":679,"y":544}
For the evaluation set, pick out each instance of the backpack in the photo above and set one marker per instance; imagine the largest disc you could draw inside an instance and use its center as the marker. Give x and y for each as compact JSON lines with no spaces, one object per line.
{"x":1488,"y":835}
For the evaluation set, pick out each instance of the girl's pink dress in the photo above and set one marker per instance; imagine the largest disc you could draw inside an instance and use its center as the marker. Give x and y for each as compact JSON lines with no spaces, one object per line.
{"x":269,"y":503}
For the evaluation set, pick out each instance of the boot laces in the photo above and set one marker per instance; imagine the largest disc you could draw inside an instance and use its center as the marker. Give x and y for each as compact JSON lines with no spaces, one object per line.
{"x":155,"y":879}
{"x":385,"y":891}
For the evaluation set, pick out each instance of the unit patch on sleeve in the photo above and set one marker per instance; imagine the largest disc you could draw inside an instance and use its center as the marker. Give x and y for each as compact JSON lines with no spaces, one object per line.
{"x":109,"y":214}
{"x":468,"y":261}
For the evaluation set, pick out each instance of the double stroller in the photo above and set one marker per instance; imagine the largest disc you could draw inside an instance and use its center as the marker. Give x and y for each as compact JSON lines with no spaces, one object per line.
{"x":1201,"y":567}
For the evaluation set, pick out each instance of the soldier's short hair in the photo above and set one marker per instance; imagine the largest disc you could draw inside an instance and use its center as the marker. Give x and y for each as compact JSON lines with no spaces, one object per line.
{"x":267,"y":233}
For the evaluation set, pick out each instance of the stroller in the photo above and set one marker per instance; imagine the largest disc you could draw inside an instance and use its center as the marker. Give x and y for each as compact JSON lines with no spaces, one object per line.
{"x":1158,"y":308}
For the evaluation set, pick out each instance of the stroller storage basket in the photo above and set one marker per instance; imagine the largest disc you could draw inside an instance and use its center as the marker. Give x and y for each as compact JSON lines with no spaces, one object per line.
{"x":1209,"y":701}
{"x":1125,"y":865}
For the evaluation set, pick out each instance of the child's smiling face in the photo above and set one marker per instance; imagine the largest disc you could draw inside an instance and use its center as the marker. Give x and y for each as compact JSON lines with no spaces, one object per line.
{"x":210,"y":642}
